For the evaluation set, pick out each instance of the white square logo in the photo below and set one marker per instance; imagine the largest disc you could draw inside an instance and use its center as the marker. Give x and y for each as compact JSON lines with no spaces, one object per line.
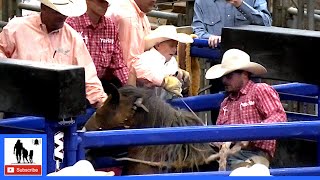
{"x":10,"y":169}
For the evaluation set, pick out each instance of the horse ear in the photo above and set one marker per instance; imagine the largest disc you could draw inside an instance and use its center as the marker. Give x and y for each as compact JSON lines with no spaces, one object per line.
{"x":113,"y":91}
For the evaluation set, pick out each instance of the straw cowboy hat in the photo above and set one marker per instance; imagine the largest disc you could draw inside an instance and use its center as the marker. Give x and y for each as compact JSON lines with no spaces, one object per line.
{"x":255,"y":170}
{"x":67,"y":7}
{"x":232,"y":60}
{"x":163,"y":33}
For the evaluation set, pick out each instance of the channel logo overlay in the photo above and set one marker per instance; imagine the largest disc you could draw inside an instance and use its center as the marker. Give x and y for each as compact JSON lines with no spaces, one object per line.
{"x":22,"y":156}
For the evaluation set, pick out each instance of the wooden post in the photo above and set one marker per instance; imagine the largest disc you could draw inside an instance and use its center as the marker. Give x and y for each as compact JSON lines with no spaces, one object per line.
{"x":301,"y":14}
{"x":5,"y":10}
{"x":276,"y":13}
{"x":189,"y":11}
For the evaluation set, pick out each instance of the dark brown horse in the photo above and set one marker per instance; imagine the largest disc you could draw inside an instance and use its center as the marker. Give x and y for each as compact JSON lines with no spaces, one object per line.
{"x":131,"y":107}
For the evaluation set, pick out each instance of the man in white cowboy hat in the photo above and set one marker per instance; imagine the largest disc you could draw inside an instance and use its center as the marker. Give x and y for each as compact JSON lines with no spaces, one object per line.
{"x":102,"y":39}
{"x":157,"y":67}
{"x":247,"y":102}
{"x":46,"y":37}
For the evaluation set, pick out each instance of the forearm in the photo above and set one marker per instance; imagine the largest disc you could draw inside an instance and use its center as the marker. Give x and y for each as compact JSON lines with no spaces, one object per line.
{"x":276,"y":117}
{"x":258,"y":16}
{"x":94,"y":90}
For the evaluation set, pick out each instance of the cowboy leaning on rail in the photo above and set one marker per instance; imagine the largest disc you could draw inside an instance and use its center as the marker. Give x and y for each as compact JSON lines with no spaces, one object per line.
{"x":247,"y":103}
{"x":45,"y":37}
{"x":157,"y":67}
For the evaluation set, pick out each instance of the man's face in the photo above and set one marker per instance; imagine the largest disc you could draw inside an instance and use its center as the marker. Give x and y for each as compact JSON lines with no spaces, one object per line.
{"x":98,"y":7}
{"x":146,"y":5}
{"x":233,"y":81}
{"x":51,"y":18}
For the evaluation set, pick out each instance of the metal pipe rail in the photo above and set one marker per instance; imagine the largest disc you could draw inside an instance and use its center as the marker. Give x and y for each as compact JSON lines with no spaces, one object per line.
{"x":26,"y":7}
{"x":291,"y":91}
{"x":153,"y":13}
{"x":221,"y":133}
{"x":301,"y":171}
{"x":165,"y":15}
{"x":294,"y":11}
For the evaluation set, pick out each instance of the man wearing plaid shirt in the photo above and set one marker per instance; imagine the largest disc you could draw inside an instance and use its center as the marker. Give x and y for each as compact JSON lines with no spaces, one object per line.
{"x":247,"y":103}
{"x":102,"y":39}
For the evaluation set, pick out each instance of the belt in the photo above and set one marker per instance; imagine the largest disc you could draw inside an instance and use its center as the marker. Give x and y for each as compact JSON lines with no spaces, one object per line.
{"x":253,"y":148}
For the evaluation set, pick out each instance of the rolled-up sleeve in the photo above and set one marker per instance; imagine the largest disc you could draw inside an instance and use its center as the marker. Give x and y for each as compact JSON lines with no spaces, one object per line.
{"x":258,"y":14}
{"x":7,"y":42}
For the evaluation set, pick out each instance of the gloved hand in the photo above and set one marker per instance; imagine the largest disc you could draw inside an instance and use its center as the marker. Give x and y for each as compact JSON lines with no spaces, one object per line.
{"x":184,"y":76}
{"x":193,"y":36}
{"x":173,"y":85}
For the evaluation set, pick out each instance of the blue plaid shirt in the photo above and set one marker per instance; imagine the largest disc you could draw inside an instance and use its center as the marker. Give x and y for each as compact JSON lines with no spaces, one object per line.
{"x":210,"y":16}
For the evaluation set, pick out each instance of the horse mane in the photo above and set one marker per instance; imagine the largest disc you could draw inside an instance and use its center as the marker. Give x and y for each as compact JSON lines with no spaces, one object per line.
{"x":162,"y":114}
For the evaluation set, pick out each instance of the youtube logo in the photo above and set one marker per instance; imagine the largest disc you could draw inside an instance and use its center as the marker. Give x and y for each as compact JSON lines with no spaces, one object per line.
{"x":10,"y":170}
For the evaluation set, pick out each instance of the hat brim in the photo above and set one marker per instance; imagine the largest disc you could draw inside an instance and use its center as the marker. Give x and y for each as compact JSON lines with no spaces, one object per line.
{"x":151,"y":40}
{"x":72,"y":9}
{"x":218,"y":70}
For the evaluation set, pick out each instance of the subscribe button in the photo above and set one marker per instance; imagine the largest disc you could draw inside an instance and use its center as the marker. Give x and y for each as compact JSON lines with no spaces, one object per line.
{"x":34,"y":170}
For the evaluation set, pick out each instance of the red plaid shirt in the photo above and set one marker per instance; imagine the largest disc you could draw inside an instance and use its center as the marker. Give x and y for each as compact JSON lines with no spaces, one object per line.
{"x":256,"y":103}
{"x":104,"y":46}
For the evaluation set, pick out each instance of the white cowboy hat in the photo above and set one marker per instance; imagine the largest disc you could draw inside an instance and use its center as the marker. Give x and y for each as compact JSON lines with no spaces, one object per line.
{"x":68,"y":8}
{"x":255,"y":170}
{"x":163,"y":33}
{"x":232,"y":60}
{"x":81,"y":168}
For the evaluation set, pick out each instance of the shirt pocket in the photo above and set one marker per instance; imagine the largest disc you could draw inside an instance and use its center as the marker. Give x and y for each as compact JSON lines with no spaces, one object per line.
{"x":211,"y":20}
{"x":62,"y":56}
{"x":106,"y":54}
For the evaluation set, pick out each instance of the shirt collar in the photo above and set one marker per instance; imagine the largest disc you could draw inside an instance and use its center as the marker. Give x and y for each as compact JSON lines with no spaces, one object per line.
{"x":85,"y":20}
{"x":244,"y":90}
{"x":157,"y":53}
{"x":141,"y":13}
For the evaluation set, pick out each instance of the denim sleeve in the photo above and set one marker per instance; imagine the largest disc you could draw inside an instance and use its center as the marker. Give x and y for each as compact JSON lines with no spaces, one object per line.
{"x":197,"y":24}
{"x":257,"y":15}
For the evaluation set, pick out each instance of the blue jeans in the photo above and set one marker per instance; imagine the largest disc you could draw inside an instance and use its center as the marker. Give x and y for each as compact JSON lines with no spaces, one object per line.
{"x":242,"y":156}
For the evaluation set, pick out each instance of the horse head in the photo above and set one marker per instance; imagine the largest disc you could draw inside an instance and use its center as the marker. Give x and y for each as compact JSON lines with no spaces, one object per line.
{"x":117,"y":111}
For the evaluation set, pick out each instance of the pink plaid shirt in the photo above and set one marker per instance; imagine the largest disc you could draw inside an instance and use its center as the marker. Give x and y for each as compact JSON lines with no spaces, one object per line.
{"x":104,"y":46}
{"x":256,"y":103}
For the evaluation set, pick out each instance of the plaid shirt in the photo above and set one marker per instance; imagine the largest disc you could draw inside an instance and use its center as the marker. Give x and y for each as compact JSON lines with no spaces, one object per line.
{"x":256,"y":103}
{"x":103,"y":44}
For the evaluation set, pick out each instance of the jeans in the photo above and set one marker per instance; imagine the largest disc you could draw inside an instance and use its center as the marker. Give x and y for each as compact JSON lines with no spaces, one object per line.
{"x":242,"y":156}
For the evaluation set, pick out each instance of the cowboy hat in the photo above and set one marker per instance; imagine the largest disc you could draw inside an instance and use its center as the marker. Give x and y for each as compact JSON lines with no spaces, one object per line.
{"x":232,"y":60}
{"x":255,"y":170}
{"x":67,"y":7}
{"x":163,"y":33}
